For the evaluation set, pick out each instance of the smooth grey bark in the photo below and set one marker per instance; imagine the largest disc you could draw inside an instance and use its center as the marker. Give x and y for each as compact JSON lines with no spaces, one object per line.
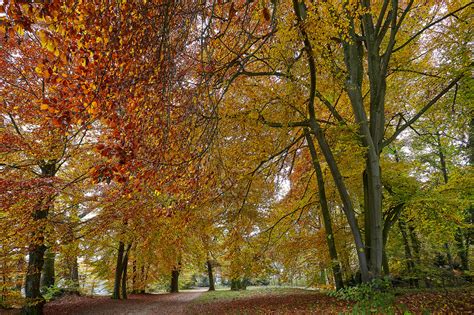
{"x":373,"y":180}
{"x":348,"y":207}
{"x":335,"y":264}
{"x":367,"y":224}
{"x":368,"y":46}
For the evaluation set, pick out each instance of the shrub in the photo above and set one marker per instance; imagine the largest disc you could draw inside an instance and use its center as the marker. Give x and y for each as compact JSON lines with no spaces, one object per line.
{"x":370,"y":297}
{"x":52,"y":292}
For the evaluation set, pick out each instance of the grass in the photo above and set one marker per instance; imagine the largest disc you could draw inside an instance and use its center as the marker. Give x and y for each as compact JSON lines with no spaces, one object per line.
{"x":267,"y":300}
{"x":225,"y":294}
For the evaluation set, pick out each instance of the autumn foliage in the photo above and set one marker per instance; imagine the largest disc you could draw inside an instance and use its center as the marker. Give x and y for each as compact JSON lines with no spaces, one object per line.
{"x":318,"y":143}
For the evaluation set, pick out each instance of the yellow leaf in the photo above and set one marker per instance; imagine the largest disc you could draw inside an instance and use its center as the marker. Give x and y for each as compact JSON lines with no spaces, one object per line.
{"x":44,"y":106}
{"x":43,"y":38}
{"x":19,"y":29}
{"x":253,"y":115}
{"x":50,"y":46}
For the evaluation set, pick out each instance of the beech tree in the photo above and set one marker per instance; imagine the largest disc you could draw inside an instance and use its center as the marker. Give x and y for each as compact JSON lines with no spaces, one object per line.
{"x":359,"y":32}
{"x":144,"y":140}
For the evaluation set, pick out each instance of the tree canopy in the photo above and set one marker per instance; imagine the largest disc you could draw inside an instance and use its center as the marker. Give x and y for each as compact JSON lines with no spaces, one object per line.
{"x":316,"y":142}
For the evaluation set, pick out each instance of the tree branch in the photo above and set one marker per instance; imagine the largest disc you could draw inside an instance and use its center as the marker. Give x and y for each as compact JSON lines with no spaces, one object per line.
{"x":422,"y":111}
{"x":430,"y":25}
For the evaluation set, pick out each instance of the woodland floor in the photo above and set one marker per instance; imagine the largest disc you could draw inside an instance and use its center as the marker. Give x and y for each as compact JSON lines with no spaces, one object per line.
{"x":146,"y":304}
{"x":299,"y":301}
{"x":259,"y":301}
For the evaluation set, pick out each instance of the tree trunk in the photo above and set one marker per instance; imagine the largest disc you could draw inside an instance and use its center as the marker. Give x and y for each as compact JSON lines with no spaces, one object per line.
{"x":48,"y":274}
{"x":372,"y":126}
{"x":36,"y":249}
{"x":415,"y":243}
{"x":174,"y":288}
{"x":326,"y":150}
{"x":348,"y":207}
{"x":367,"y":224}
{"x":335,"y":265}
{"x":408,"y":254}
{"x":442,"y":159}
{"x":118,"y":271}
{"x":35,"y":301}
{"x":392,"y":216}
{"x":18,"y":278}
{"x":375,"y":214}
{"x":143,"y":278}
{"x":73,"y":274}
{"x":210,"y":275}
{"x":373,"y":189}
{"x":124,"y":273}
{"x":386,"y":230}
{"x":444,"y":172}
{"x":411,"y":266}
{"x":134,"y":276}
{"x":385,"y":265}
{"x":462,"y":249}
{"x":373,"y":184}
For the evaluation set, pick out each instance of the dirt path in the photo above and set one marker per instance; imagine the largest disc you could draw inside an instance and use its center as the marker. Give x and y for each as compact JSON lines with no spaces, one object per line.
{"x":146,"y":304}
